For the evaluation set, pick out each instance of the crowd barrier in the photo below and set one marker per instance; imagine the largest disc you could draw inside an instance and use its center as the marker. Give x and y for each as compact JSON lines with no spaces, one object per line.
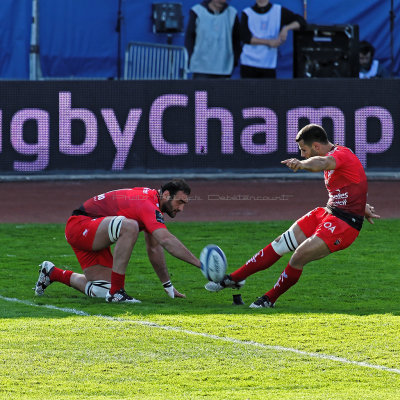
{"x":155,"y":61}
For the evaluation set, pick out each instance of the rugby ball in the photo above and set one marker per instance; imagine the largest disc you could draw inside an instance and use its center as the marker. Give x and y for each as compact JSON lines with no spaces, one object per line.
{"x":213,"y":263}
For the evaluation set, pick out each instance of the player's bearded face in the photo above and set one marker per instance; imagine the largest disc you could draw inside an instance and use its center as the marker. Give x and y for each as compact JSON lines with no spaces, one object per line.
{"x":307,"y":151}
{"x":175,"y":204}
{"x":169,"y":209}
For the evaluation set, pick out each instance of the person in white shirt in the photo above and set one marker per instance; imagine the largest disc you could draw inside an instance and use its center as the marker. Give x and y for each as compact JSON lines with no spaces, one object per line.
{"x":264,"y":27}
{"x":213,"y":39}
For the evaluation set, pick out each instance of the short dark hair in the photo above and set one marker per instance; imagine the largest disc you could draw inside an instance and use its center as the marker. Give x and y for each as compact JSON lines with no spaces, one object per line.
{"x":312,"y":133}
{"x":366,"y":47}
{"x":175,"y":186}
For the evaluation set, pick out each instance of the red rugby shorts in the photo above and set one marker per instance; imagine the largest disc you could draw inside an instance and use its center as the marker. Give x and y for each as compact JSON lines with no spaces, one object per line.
{"x":80,"y":232}
{"x":336,"y":233}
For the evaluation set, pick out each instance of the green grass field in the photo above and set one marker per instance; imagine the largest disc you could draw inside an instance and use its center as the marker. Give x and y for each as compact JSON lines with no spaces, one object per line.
{"x":335,"y":335}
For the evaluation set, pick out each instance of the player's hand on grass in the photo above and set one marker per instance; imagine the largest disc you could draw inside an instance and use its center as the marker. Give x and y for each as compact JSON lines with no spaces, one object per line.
{"x":171,"y":291}
{"x":177,"y":294}
{"x":370,"y":213}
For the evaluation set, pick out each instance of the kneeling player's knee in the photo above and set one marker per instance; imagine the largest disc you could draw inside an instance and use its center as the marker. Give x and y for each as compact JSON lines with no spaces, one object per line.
{"x":285,"y":243}
{"x":130,"y":227}
{"x":114,"y":228}
{"x":121,"y":225}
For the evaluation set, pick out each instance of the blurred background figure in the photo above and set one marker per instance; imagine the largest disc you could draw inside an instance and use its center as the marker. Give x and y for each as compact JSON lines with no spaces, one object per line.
{"x":213,"y":39}
{"x":370,"y":67}
{"x":264,"y":27}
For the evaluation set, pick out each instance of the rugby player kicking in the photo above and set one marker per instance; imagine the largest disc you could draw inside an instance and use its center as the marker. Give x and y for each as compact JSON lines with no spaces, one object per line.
{"x":118,"y":217}
{"x":323,"y":230}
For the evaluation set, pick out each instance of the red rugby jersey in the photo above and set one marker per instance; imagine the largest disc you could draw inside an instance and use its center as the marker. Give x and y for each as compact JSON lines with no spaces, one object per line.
{"x":139,"y":203}
{"x":347,"y":183}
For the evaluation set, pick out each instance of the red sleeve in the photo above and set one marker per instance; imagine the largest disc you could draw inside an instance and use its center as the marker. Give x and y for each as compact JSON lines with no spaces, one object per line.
{"x":152,"y":218}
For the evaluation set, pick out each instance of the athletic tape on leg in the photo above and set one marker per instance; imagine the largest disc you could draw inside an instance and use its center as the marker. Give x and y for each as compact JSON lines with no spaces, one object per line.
{"x":97,"y":288}
{"x":286,"y":243}
{"x":114,"y":228}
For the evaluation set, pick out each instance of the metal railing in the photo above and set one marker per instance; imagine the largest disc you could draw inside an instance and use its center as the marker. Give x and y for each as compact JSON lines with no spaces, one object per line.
{"x":155,"y":61}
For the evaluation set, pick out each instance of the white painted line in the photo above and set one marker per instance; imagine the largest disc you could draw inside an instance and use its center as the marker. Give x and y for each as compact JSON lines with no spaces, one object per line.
{"x":208,"y":336}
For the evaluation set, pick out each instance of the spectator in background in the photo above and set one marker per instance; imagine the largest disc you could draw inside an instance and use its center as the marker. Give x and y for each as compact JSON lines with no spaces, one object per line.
{"x":264,"y":27}
{"x":370,"y":67}
{"x":213,"y":39}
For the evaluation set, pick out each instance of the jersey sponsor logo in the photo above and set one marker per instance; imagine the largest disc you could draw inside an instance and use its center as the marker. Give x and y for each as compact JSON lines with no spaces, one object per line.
{"x":340,"y":195}
{"x":159,"y":217}
{"x":85,"y":232}
{"x":339,"y":199}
